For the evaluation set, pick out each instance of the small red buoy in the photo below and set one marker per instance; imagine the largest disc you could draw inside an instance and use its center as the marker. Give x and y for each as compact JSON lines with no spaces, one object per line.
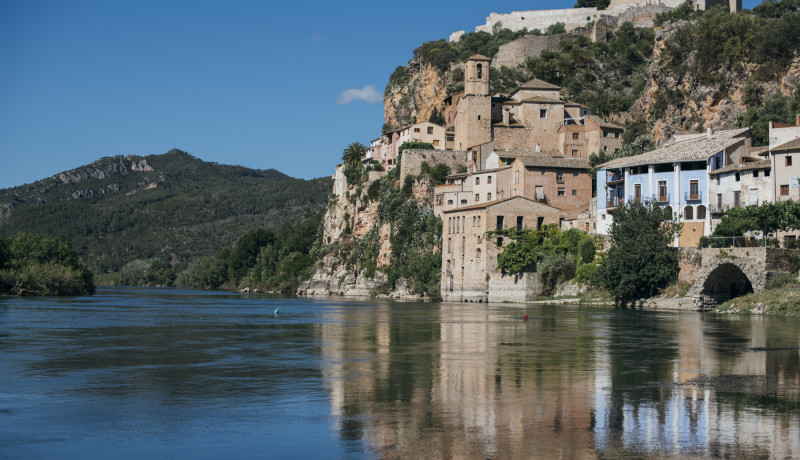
{"x":525,"y":318}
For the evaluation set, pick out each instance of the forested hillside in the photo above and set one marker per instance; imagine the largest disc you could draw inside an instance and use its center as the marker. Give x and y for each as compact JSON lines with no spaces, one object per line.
{"x":174,"y":207}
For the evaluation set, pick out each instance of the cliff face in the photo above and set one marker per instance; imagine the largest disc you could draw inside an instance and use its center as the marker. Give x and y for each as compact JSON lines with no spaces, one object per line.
{"x":356,"y":237}
{"x":415,"y":100}
{"x":676,"y":100}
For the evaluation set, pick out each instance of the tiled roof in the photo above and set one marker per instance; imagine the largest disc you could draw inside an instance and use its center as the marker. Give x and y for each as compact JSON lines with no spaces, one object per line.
{"x":538,"y":84}
{"x":791,"y":145}
{"x":520,"y":153}
{"x":759,"y":151}
{"x":457,"y":176}
{"x":478,"y":57}
{"x":542,"y":100}
{"x":692,"y":147}
{"x":492,"y":203}
{"x":763,"y":164}
{"x":605,"y":124}
{"x":555,"y":162}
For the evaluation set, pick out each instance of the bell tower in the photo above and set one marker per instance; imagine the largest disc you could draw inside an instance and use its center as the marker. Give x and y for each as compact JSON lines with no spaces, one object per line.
{"x":473,"y":121}
{"x":476,"y":76}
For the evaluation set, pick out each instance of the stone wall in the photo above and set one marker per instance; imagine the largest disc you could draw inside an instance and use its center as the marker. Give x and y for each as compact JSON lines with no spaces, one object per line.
{"x":515,"y":53}
{"x":508,"y":138}
{"x":411,"y":162}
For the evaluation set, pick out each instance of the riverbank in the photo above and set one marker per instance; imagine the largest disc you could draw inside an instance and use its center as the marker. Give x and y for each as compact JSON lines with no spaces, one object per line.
{"x":782,"y":301}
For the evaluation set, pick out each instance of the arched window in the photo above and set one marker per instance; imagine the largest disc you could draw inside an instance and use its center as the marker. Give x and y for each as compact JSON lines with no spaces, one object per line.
{"x":688,"y":213}
{"x":701,"y":212}
{"x":668,"y":210}
{"x":480,"y":70}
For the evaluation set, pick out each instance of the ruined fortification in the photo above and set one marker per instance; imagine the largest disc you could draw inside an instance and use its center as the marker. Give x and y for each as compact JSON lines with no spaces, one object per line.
{"x":639,"y":12}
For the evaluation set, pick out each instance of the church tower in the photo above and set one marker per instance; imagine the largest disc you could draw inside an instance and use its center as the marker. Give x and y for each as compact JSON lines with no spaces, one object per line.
{"x":473,"y":121}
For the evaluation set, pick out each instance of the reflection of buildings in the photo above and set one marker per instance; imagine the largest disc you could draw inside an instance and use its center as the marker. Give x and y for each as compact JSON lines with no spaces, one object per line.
{"x":474,"y":381}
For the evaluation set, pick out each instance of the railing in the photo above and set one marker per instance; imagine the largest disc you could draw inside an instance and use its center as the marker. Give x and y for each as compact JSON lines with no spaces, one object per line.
{"x":614,"y":202}
{"x":634,"y":199}
{"x":693,"y":196}
{"x":741,"y":242}
{"x":661,"y":198}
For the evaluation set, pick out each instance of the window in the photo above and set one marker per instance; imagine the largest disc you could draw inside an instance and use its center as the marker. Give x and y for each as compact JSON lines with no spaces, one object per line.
{"x":701,"y":212}
{"x":717,"y":162}
{"x":616,"y":135}
{"x":539,"y":223}
{"x":436,"y":142}
{"x":477,"y":181}
{"x":755,"y":174}
{"x":766,"y":173}
{"x":662,"y":191}
{"x":542,"y":113}
{"x":784,"y":190}
{"x":430,"y":129}
{"x":488,"y":197}
{"x":737,"y":176}
{"x":463,"y":201}
{"x":637,"y":193}
{"x":479,"y":117}
{"x":688,"y":213}
{"x":574,"y":152}
{"x":449,"y":201}
{"x":574,"y":192}
{"x":719,"y":201}
{"x":576,"y":173}
{"x":416,"y":130}
{"x":477,"y":198}
{"x":480,"y":70}
{"x":489,"y":179}
{"x":694,"y":190}
{"x":499,"y":222}
{"x":473,"y":221}
{"x":516,"y":177}
{"x":463,"y":244}
{"x":736,"y":201}
{"x":575,"y":136}
{"x":562,"y":191}
{"x":788,"y":160}
{"x":449,"y":245}
{"x":560,"y":177}
{"x":519,"y":222}
{"x":479,"y":221}
{"x":605,"y":148}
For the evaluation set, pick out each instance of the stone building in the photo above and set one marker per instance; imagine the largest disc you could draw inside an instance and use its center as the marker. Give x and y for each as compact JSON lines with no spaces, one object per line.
{"x":581,"y":137}
{"x":738,"y":185}
{"x":784,"y":151}
{"x":474,"y":110}
{"x":565,"y":183}
{"x":462,"y":190}
{"x":469,"y":255}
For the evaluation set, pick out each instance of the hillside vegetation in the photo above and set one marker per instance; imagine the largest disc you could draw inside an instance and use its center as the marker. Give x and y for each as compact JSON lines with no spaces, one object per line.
{"x":172,"y":207}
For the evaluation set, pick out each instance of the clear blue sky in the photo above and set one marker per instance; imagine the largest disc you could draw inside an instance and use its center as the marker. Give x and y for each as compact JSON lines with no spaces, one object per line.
{"x":236,"y":82}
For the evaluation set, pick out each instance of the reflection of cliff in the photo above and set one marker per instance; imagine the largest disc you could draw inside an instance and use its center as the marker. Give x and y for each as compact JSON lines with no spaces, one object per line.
{"x":474,"y":381}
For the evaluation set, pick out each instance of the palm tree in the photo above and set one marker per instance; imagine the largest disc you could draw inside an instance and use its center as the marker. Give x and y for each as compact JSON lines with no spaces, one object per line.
{"x":352,"y":154}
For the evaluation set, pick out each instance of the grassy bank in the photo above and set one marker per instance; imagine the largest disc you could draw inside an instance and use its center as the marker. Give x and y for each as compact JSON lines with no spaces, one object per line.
{"x":780,"y":301}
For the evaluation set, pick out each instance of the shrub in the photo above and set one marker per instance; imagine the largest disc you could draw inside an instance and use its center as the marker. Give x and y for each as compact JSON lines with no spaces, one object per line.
{"x":781,"y":279}
{"x":555,"y":269}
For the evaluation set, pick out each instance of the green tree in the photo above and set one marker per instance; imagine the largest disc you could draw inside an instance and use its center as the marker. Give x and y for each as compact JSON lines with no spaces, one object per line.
{"x":437,"y":117}
{"x":244,"y":254}
{"x":599,"y":4}
{"x":640,"y":260}
{"x":353,"y":154}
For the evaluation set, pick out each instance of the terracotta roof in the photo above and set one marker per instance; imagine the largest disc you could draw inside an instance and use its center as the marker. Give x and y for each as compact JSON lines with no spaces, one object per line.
{"x":491,"y":170}
{"x":694,"y":147}
{"x":542,"y":100}
{"x":763,"y":164}
{"x":605,"y":124}
{"x":492,"y":203}
{"x":520,"y":153}
{"x":759,"y":151}
{"x":791,"y":145}
{"x":555,"y":162}
{"x":478,"y":57}
{"x":537,"y":84}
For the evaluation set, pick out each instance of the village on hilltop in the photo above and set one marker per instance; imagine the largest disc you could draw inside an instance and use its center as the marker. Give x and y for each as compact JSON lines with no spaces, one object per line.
{"x":521,"y":160}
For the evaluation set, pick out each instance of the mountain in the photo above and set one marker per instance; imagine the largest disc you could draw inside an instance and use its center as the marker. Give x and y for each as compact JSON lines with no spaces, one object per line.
{"x":172,"y":206}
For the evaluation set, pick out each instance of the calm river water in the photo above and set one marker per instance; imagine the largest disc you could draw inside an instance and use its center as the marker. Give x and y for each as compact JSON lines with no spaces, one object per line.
{"x":160,"y":373}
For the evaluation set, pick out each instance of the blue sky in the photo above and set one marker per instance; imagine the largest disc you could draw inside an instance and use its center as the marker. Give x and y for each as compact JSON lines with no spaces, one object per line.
{"x":238,"y":82}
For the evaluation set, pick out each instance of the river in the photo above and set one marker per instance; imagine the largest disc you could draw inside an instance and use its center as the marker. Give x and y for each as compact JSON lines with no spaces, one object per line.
{"x":165,"y":373}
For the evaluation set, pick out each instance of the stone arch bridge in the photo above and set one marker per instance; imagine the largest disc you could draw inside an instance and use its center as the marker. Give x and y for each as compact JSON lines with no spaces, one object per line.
{"x":717,"y":275}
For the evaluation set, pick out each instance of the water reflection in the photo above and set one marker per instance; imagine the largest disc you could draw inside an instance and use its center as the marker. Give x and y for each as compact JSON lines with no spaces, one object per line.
{"x":163,"y":373}
{"x":475,"y":381}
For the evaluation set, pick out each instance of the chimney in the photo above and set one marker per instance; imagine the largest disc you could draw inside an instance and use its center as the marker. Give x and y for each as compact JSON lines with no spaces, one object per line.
{"x":709,"y":132}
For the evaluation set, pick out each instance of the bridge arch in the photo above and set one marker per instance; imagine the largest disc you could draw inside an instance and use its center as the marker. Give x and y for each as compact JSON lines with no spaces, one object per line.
{"x":725,"y":282}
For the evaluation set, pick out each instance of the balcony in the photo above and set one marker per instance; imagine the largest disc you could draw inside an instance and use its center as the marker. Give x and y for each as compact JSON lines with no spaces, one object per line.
{"x":688,"y":196}
{"x":614,"y":202}
{"x":661,"y":198}
{"x":634,"y":199}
